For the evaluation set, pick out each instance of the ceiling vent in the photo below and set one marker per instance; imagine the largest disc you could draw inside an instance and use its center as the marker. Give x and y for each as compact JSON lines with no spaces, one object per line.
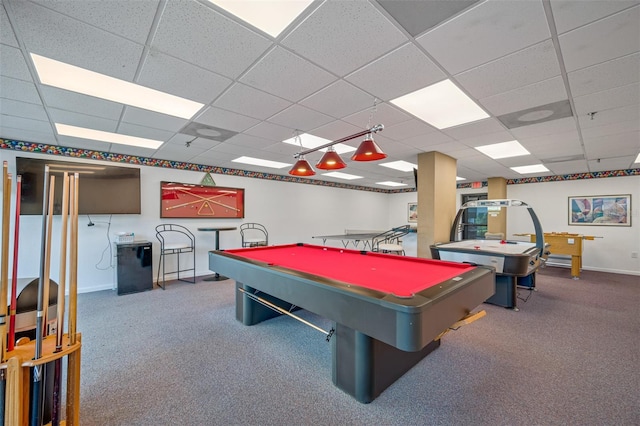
{"x":539,"y":114}
{"x":207,"y":132}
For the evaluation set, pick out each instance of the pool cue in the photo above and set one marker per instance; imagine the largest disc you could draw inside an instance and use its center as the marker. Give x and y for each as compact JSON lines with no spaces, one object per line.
{"x":37,"y":402}
{"x":47,"y":264}
{"x":4,"y":284}
{"x":57,"y":372}
{"x":73,"y":359}
{"x":14,"y":279}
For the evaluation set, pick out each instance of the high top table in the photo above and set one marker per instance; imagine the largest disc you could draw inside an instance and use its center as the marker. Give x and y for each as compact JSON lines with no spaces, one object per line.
{"x":216,"y":230}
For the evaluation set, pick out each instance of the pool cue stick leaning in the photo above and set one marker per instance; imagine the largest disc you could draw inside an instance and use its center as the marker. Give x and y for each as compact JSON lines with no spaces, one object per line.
{"x":47,"y":264}
{"x":73,"y":359}
{"x":4,"y":280}
{"x":57,"y":372}
{"x":14,"y":275}
{"x":37,"y":402}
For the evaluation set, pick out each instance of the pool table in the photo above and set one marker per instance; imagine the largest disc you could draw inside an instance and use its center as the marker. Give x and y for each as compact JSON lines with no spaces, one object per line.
{"x":387,"y":311}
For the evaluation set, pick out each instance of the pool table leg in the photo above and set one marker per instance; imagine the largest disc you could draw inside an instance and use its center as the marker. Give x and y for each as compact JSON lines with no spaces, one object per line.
{"x":506,"y":293}
{"x":364,"y":367}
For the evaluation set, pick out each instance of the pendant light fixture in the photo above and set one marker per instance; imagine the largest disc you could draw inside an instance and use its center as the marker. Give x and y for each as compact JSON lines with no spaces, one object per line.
{"x":302,"y":166}
{"x":331,"y":161}
{"x":368,"y":151}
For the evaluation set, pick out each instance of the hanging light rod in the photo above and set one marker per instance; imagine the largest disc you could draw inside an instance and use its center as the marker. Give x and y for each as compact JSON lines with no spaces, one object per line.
{"x":375,"y":129}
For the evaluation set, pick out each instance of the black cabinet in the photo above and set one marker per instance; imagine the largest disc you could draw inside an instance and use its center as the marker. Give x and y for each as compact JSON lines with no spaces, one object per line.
{"x":134,"y":267}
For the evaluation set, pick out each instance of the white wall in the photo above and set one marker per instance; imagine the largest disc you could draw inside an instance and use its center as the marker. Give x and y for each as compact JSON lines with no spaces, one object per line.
{"x":291,"y":212}
{"x":549,"y":200}
{"x":296,"y":212}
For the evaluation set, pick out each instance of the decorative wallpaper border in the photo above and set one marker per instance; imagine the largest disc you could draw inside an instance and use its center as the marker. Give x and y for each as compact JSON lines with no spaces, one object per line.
{"x":39,"y":148}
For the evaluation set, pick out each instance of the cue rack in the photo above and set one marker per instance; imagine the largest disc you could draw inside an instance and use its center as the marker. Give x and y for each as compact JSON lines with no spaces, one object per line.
{"x":27,"y":364}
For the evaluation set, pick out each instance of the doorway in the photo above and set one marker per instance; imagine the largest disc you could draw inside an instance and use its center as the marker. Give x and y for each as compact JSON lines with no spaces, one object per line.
{"x":474,"y":219}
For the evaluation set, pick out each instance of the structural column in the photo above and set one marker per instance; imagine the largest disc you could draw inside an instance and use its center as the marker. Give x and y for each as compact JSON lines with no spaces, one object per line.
{"x":497,"y":220}
{"x":436,"y":199}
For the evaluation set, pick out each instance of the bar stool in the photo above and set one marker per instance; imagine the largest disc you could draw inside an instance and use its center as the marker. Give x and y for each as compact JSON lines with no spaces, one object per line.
{"x":175,"y":240}
{"x":254,"y":235}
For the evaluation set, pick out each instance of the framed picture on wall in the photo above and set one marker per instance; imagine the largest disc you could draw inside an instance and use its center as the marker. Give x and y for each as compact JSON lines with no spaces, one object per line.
{"x":601,"y":210}
{"x":183,"y":200}
{"x":412,"y":212}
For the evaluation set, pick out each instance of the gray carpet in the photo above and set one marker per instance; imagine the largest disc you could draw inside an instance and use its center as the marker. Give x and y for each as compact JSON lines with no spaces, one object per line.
{"x":179,"y":357}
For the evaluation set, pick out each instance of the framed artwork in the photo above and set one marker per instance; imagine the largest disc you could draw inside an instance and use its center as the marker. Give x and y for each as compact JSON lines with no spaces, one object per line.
{"x":412,"y":212}
{"x":183,"y":200}
{"x":603,"y":210}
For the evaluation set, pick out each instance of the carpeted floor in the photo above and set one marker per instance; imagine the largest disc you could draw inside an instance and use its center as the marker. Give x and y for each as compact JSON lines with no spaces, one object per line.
{"x":179,"y":357}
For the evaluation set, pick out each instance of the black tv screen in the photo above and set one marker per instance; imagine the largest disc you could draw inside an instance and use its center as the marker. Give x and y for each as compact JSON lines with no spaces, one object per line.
{"x":103,"y":189}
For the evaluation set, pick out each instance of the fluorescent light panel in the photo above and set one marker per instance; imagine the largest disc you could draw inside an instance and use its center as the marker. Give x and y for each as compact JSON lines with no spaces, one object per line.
{"x":442,"y":105}
{"x":460,"y":178}
{"x":389,"y":183}
{"x":403,"y":166}
{"x":270,"y":16}
{"x":340,"y":175}
{"x":503,"y":150}
{"x":64,"y":76}
{"x":98,"y":135}
{"x":311,"y":141}
{"x":637,"y":159}
{"x":534,"y":168}
{"x":261,"y":162}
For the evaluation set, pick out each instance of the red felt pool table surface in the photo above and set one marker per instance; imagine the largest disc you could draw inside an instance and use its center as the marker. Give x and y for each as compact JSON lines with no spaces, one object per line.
{"x":402,"y":276}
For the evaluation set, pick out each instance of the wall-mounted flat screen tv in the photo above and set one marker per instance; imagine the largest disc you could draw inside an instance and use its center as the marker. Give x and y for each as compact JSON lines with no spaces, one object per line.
{"x":103,"y":189}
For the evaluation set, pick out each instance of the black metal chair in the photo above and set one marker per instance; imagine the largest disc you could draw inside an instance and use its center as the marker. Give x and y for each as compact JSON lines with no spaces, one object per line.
{"x":175,"y":240}
{"x":254,"y":235}
{"x":391,"y":241}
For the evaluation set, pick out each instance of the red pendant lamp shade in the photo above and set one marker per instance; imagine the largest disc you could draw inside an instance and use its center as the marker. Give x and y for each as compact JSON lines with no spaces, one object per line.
{"x":302,"y":168}
{"x":368,"y":151}
{"x":331,"y":161}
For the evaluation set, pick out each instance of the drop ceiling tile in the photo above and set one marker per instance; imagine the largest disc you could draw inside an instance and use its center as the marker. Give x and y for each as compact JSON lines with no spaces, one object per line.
{"x":610,"y":116}
{"x":283,"y":74}
{"x":131,"y":150}
{"x":230,"y":120}
{"x":426,"y":141}
{"x":567,"y":167}
{"x":384,"y":114}
{"x":202,"y":30}
{"x":345,"y":27}
{"x":603,"y":40}
{"x":22,"y":109}
{"x":19,"y":90}
{"x":533,"y":95}
{"x":271,"y":131}
{"x":144,"y":132}
{"x":615,"y":73}
{"x":338,"y":130}
{"x":171,"y":75}
{"x":59,"y":37}
{"x":525,"y":67}
{"x":606,"y":164}
{"x":82,"y":120}
{"x":22,"y":123}
{"x":6,"y":31}
{"x":571,"y":14}
{"x":76,"y":102}
{"x":246,"y":100}
{"x":407,"y":129}
{"x":130,"y":19}
{"x":480,"y":127}
{"x":178,"y":153}
{"x":13,"y":64}
{"x":143,"y":117}
{"x":419,"y":16}
{"x":338,"y":100}
{"x":611,"y":129}
{"x":416,"y":69}
{"x":301,"y":118}
{"x":608,"y":99}
{"x":249,"y":141}
{"x":27,"y":135}
{"x":486,"y":32}
{"x":625,"y":143}
{"x":547,"y":128}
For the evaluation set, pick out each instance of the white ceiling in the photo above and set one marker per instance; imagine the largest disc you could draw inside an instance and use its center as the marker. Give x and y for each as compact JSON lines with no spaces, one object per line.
{"x":323,"y":72}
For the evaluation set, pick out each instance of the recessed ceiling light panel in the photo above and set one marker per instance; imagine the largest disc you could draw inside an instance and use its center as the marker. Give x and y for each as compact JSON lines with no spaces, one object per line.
{"x":503,"y":150}
{"x":98,"y":135}
{"x":442,"y":105}
{"x":534,"y":168}
{"x":389,"y":183}
{"x":261,"y":162}
{"x":340,"y":175}
{"x":403,"y":166}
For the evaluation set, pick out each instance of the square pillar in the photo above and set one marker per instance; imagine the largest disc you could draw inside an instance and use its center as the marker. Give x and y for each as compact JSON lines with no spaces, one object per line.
{"x":497,"y":220}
